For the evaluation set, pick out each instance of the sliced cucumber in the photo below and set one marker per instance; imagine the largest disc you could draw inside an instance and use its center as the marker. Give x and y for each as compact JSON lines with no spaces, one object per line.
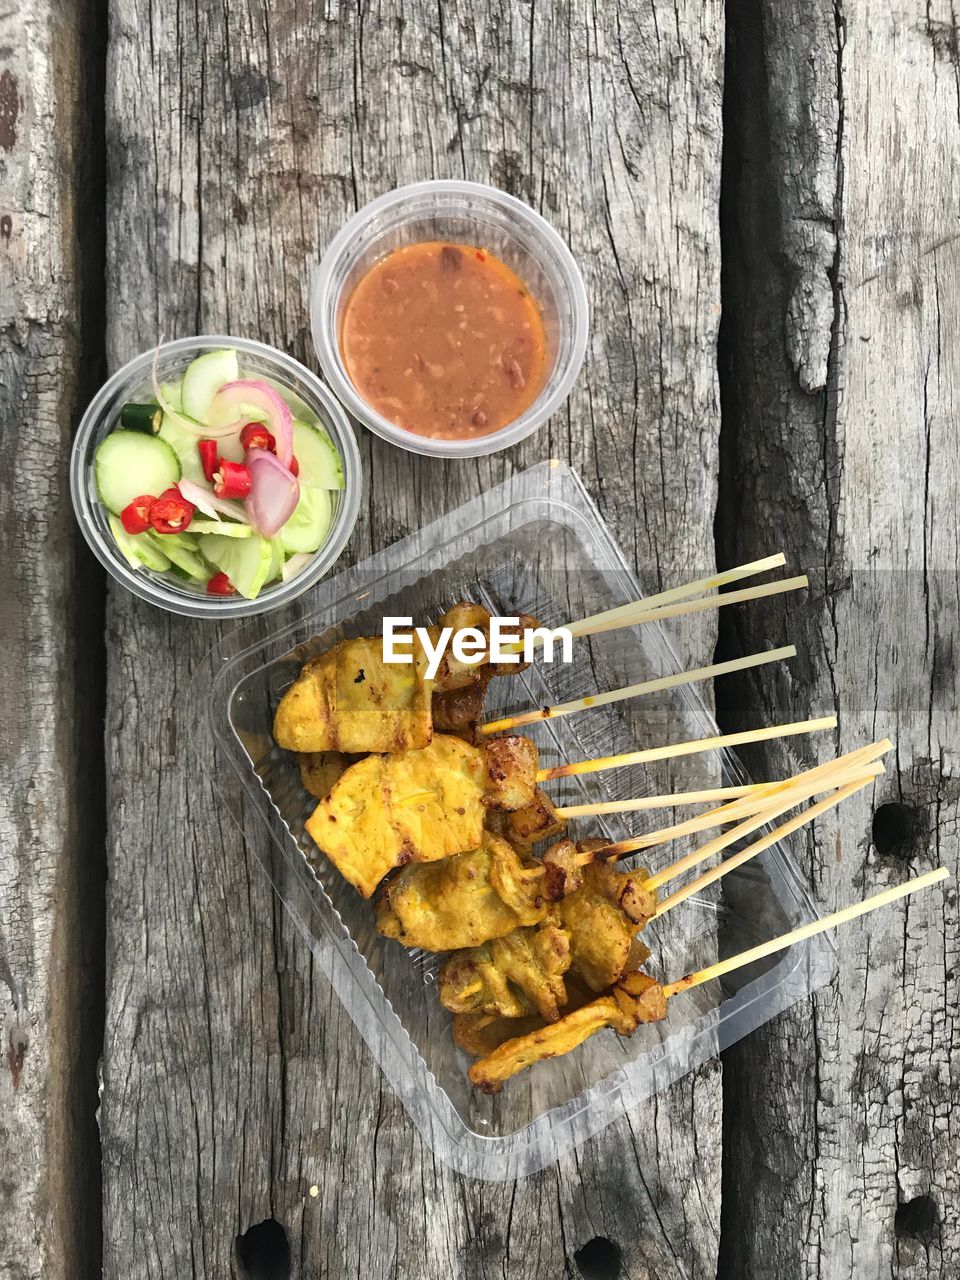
{"x":203,"y":378}
{"x":181,"y":549}
{"x":245,"y":561}
{"x":277,"y":560}
{"x":225,"y":527}
{"x":128,"y":464}
{"x":320,"y":464}
{"x":184,"y":445}
{"x":171,"y":393}
{"x":310,"y":522}
{"x":136,"y":549}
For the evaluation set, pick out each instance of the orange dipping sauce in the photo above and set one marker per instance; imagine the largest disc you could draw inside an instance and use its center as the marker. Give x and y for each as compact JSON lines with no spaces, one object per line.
{"x":444,"y":340}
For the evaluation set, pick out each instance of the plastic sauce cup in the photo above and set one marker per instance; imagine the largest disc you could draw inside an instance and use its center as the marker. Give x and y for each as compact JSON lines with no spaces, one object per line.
{"x":465,"y":213}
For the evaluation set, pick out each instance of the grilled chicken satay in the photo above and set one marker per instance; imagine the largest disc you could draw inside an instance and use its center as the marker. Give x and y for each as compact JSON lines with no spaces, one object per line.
{"x":465,"y":900}
{"x":531,"y":823}
{"x":419,"y":806}
{"x":319,"y":770}
{"x":349,"y":699}
{"x":592,"y":933}
{"x":636,"y":998}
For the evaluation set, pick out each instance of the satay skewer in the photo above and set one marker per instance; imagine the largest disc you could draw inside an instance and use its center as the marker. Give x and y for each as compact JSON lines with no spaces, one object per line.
{"x":823,"y":777}
{"x":771,"y":837}
{"x":582,"y":626}
{"x":669,"y":800}
{"x":637,"y":998}
{"x":804,"y":931}
{"x":538,"y":970}
{"x":518,"y":719}
{"x":692,"y":747}
{"x":853,"y":763}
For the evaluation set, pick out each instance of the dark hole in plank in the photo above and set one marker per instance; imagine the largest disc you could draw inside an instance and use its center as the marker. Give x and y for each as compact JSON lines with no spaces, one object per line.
{"x":599,"y":1259}
{"x":917,"y":1219}
{"x":263,"y":1252}
{"x":893,"y":828}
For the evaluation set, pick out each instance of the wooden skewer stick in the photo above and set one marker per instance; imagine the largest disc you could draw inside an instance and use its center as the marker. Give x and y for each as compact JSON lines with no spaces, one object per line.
{"x":823,"y":777}
{"x":672,"y":801}
{"x":823,"y":925}
{"x":760,"y":810}
{"x":765,"y":841}
{"x":693,"y":747}
{"x":716,"y":580}
{"x":774,"y":806}
{"x":638,"y":690}
{"x":727,"y":597}
{"x":628,"y":615}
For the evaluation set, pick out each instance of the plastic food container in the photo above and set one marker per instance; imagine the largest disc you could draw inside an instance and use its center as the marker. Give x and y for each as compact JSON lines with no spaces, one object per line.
{"x":534,"y":544}
{"x":468,"y":213}
{"x":133,"y":383}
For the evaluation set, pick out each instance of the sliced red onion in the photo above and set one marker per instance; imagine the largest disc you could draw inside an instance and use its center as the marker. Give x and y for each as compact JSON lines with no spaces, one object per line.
{"x":249,"y":392}
{"x":188,"y":424}
{"x":210,"y":504}
{"x":274,"y":492}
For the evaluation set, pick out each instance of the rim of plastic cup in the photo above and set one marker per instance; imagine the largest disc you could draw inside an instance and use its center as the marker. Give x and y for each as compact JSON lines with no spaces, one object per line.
{"x":157,"y":592}
{"x":328,"y":347}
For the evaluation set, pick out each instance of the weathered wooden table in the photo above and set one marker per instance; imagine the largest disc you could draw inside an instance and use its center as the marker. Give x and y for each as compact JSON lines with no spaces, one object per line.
{"x":178,"y":168}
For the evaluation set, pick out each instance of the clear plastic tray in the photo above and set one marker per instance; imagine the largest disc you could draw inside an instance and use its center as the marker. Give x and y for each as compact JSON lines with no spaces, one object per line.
{"x":534,"y":544}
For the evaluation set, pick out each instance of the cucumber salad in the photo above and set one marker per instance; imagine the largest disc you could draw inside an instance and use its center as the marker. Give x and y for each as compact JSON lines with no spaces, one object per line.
{"x":217,"y":481}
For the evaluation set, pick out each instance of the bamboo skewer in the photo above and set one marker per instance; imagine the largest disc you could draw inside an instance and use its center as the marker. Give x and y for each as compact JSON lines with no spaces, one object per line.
{"x":518,"y":719}
{"x":711,"y":583}
{"x":823,"y":925}
{"x":855,"y":762}
{"x":765,"y":841}
{"x":758,"y":812}
{"x":822,"y":777}
{"x":672,"y":801}
{"x":628,"y":615}
{"x":727,"y":597}
{"x":692,"y":747}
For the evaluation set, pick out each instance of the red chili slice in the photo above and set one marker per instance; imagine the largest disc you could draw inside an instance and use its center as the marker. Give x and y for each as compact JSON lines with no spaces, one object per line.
{"x":171,"y":512}
{"x":220,"y":585}
{"x":208,"y":457}
{"x":256,"y":436}
{"x":135,"y":517}
{"x":231,"y":480}
{"x":294,"y":466}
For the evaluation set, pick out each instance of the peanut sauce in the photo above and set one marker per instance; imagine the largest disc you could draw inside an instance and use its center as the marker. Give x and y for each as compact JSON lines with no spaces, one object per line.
{"x":444,"y":340}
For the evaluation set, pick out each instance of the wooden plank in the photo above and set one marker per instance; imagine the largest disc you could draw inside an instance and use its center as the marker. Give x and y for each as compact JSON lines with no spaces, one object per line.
{"x":233,"y":1079}
{"x":841,"y":377}
{"x":51,"y":878}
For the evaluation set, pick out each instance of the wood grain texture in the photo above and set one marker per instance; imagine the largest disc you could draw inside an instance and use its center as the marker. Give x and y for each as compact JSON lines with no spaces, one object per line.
{"x":233,"y":1079}
{"x":842,"y":447}
{"x":51,"y":879}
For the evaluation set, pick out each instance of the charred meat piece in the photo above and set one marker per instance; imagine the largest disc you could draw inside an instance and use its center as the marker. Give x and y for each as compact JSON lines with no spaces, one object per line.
{"x":348,"y":699}
{"x":319,"y":770}
{"x":590,"y":933}
{"x":635,"y":999}
{"x":513,"y":976}
{"x":512,"y":763}
{"x":416,"y":806}
{"x":462,"y":901}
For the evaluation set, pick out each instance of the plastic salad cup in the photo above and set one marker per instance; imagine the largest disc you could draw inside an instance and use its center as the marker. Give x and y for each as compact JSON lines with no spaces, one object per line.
{"x":133,"y":383}
{"x":468,"y":213}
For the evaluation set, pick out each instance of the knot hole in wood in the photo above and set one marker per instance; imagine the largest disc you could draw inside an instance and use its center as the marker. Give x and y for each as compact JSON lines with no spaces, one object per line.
{"x":599,"y":1259}
{"x":263,"y":1252}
